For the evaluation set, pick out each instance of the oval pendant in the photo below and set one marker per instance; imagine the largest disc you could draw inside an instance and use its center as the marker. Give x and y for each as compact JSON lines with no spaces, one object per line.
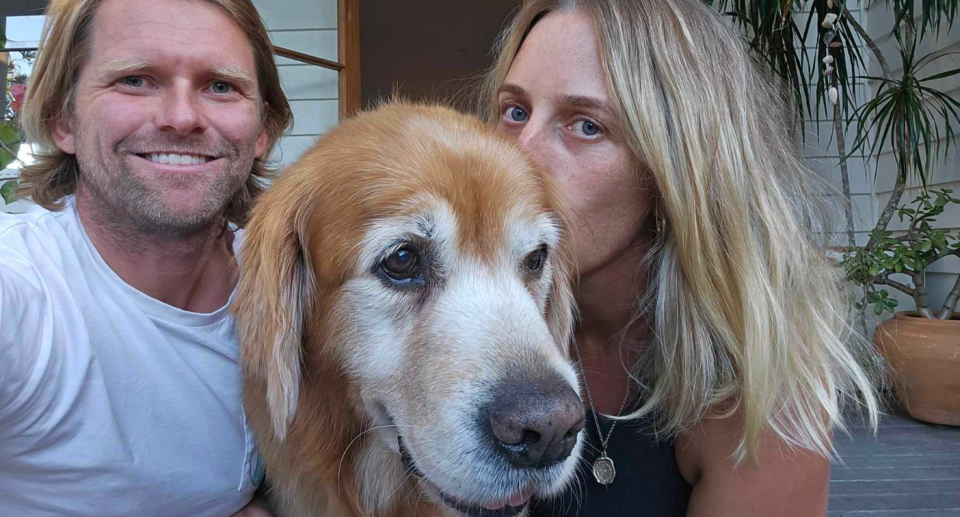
{"x":603,"y":470}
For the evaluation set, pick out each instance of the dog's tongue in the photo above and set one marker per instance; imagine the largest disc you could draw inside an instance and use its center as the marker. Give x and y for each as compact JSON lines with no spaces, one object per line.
{"x":518,"y":499}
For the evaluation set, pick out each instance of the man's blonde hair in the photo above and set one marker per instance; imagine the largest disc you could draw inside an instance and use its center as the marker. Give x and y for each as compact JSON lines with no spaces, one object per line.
{"x":747,"y":310}
{"x":63,"y":52}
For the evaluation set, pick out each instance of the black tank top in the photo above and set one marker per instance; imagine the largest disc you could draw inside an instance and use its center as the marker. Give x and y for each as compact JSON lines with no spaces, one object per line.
{"x":647,"y":484}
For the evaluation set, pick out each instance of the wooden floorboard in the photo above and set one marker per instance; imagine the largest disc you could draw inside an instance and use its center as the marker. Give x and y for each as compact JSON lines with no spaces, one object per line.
{"x":907,"y":469}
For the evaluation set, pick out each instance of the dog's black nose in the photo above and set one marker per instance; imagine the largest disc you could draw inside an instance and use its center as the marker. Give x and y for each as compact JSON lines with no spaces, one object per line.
{"x":535,"y":424}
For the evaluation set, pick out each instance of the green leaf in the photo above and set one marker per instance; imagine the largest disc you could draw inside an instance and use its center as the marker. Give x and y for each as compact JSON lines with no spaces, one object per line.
{"x":9,"y":191}
{"x":941,"y":75}
{"x":925,"y":246}
{"x":878,"y":308}
{"x":11,"y":140}
{"x":874,"y":271}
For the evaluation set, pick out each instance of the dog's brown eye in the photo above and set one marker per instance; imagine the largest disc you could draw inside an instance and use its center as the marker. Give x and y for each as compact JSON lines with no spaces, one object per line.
{"x":402,"y":264}
{"x":535,"y":261}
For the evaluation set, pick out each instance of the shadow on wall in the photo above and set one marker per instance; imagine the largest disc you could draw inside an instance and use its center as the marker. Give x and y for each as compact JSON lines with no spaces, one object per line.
{"x":428,"y":49}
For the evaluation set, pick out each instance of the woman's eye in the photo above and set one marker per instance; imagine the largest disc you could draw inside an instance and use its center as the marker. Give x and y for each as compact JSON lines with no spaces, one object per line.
{"x":516,"y":114}
{"x":221,"y":87}
{"x":133,"y":81}
{"x":589,"y":128}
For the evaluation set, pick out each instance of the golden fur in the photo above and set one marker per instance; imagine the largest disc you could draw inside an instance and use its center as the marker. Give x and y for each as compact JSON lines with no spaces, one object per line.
{"x":337,"y":363}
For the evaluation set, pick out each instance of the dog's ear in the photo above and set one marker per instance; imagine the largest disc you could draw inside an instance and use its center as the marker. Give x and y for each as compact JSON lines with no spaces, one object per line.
{"x":276,"y":295}
{"x":561,"y":304}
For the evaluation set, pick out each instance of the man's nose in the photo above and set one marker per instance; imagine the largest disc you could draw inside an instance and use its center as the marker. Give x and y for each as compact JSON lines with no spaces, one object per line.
{"x":181,"y":112}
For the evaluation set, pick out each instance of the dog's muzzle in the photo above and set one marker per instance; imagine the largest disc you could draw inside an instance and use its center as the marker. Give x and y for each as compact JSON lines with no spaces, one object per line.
{"x":468,"y":509}
{"x":533,"y":425}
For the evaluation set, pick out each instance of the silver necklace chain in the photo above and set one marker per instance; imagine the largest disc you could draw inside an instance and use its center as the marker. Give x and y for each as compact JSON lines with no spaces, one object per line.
{"x":596,"y":419}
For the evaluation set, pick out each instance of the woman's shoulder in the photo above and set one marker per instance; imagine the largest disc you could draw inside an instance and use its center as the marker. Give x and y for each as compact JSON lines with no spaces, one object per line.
{"x":776,"y":479}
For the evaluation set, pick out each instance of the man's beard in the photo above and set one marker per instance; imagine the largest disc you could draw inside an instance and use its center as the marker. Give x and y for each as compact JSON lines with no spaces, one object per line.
{"x":127,"y":205}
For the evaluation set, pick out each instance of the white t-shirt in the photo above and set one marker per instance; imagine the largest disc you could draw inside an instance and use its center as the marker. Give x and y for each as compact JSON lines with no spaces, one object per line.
{"x":111,"y":402}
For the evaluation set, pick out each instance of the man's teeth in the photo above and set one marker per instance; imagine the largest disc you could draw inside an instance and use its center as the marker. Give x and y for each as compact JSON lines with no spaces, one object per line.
{"x":176,"y":159}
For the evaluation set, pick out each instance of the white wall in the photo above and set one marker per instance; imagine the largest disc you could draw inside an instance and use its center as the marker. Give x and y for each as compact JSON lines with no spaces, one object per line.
{"x":310,"y":27}
{"x":820,"y":147}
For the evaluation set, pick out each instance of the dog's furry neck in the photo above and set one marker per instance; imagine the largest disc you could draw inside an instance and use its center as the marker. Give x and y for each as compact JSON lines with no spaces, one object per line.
{"x":364,"y":478}
{"x":387,"y":489}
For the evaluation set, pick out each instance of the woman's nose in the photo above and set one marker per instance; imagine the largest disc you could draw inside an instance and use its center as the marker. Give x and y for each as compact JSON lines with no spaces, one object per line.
{"x":531,"y":141}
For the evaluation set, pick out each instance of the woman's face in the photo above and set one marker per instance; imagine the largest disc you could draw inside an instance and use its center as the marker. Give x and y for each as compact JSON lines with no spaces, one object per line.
{"x":555,"y":103}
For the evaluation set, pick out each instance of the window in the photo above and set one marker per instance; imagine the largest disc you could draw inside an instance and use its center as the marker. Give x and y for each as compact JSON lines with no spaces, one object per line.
{"x":20,"y":37}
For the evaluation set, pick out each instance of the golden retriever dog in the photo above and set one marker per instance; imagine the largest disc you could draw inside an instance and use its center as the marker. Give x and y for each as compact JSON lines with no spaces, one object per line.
{"x":404,"y":309}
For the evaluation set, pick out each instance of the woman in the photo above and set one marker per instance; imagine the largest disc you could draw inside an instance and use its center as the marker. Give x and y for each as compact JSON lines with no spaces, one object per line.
{"x":711,"y":321}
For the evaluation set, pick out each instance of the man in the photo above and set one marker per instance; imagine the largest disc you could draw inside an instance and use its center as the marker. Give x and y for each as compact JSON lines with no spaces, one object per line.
{"x":119,"y":381}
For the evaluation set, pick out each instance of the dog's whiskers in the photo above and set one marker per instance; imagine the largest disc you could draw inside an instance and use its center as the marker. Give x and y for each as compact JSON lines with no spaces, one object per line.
{"x":407,"y":474}
{"x":355,"y":438}
{"x":579,"y":493}
{"x":419,"y":494}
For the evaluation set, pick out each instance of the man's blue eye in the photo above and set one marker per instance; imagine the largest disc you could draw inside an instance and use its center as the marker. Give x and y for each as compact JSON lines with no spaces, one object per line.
{"x":134,"y":81}
{"x":221,"y":87}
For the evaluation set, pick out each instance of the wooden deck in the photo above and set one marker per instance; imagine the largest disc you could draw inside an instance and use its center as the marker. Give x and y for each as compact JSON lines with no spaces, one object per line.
{"x":909,"y":469}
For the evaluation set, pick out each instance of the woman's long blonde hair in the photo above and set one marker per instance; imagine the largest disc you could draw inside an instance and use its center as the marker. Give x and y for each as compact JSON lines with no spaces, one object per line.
{"x":64,"y":48}
{"x":748,"y":311}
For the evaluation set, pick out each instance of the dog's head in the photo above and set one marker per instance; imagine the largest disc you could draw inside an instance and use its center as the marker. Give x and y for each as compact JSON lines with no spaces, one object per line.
{"x":409,"y":279}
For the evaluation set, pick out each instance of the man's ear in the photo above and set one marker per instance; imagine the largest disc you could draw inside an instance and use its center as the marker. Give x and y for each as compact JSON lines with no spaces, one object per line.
{"x":62,"y":132}
{"x":261,"y":144}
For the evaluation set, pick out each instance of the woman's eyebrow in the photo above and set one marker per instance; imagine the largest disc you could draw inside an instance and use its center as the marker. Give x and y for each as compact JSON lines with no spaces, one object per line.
{"x":582,"y":101}
{"x":514,"y":89}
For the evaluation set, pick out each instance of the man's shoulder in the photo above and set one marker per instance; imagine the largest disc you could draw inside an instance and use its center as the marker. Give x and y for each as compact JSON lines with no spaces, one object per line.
{"x":32,"y":246}
{"x":35,"y":220}
{"x":37,"y":229}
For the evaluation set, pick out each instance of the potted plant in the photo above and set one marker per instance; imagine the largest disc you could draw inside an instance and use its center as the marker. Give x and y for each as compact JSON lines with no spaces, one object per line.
{"x":921,"y":347}
{"x":907,"y":116}
{"x":10,"y":138}
{"x":10,"y":135}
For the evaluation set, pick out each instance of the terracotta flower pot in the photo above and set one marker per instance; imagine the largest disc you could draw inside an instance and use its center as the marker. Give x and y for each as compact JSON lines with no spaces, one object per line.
{"x":923,"y":359}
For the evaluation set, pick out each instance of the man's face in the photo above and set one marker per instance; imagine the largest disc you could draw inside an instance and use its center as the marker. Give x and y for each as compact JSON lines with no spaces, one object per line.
{"x":166,"y":118}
